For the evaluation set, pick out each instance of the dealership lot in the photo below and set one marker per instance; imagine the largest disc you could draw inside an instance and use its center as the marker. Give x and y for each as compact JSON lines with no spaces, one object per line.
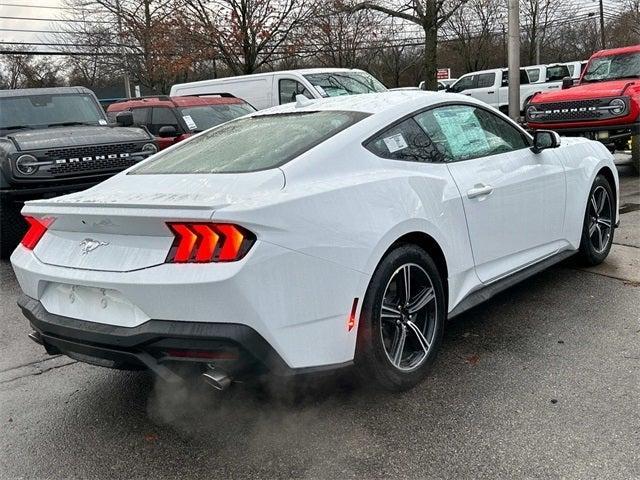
{"x":541,"y":381}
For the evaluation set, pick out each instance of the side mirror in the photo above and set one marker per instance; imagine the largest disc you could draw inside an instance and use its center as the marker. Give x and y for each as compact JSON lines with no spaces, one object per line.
{"x":422,"y":85}
{"x":124,"y":119}
{"x":567,"y":82}
{"x":543,"y":139}
{"x":167,"y":131}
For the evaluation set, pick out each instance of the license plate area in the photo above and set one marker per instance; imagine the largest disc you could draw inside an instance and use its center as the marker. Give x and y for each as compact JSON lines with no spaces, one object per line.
{"x":92,"y":304}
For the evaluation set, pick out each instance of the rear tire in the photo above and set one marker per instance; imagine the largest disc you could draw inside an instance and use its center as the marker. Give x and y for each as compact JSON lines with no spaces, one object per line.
{"x":12,"y":227}
{"x":598,"y":226}
{"x":397,"y":345}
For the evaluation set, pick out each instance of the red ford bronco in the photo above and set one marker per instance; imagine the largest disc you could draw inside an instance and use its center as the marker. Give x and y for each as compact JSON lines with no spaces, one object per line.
{"x":603,"y":105}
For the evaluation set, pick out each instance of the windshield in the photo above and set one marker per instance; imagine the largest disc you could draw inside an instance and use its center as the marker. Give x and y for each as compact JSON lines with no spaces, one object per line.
{"x":40,"y":111}
{"x":613,"y":67}
{"x":203,"y":117}
{"x":251,"y":144}
{"x":334,"y":84}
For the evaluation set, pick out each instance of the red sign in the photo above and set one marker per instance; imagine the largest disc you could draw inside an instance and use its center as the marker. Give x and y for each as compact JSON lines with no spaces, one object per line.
{"x":443,"y":73}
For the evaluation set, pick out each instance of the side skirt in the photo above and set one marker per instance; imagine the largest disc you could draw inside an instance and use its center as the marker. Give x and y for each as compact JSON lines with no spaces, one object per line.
{"x":488,"y":291}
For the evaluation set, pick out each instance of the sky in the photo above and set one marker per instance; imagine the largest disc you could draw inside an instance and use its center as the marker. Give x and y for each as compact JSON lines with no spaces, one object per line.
{"x":30,"y":9}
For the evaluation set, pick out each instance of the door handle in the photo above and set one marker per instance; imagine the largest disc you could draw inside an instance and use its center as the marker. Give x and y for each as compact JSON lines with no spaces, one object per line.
{"x":491,"y":93}
{"x":479,"y":190}
{"x":468,"y":94}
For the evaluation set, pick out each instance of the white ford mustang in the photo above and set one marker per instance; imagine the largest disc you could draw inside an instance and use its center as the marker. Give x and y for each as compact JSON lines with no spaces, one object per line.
{"x":311,"y":236}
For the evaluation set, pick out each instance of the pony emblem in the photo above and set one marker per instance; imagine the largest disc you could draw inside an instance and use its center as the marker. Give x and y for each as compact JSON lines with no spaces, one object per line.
{"x":89,"y":245}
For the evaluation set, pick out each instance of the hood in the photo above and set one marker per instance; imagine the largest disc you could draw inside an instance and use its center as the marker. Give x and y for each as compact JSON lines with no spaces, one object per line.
{"x":586,"y":91}
{"x":58,"y":137}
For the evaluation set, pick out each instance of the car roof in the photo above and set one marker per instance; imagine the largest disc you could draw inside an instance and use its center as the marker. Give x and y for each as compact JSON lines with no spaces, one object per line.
{"x":400,"y":102}
{"x":21,"y":92}
{"x":617,"y":51}
{"x":161,"y":101}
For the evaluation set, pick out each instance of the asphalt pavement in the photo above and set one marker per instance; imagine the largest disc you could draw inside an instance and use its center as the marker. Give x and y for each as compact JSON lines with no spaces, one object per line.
{"x":542,"y":381}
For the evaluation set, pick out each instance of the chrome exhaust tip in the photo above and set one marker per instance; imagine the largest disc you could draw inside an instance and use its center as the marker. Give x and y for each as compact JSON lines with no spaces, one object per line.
{"x":217,"y":379}
{"x":35,"y":336}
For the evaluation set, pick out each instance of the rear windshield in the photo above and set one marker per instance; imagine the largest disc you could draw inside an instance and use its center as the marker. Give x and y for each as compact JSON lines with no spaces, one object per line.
{"x":251,"y":144}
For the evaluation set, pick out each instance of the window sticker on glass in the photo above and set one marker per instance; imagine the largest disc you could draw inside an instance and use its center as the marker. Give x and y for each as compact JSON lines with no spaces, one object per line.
{"x":461,"y":127}
{"x":102,"y":121}
{"x":190,"y":123}
{"x":395,"y":142}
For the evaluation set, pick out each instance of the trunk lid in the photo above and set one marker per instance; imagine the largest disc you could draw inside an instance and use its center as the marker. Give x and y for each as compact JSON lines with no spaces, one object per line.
{"x":120,"y":225}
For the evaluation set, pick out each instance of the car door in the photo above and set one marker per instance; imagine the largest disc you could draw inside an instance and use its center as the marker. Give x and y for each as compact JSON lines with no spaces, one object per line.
{"x":514,"y":199}
{"x":289,"y":88}
{"x":464,"y":85}
{"x":164,"y":117}
{"x":485,"y":88}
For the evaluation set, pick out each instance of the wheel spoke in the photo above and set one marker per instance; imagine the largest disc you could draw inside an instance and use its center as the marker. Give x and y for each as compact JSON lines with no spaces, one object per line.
{"x":399,"y":346}
{"x":422,"y":299}
{"x":594,"y":204}
{"x":599,"y":230}
{"x":605,"y":222}
{"x":592,"y":228}
{"x":390,"y":312}
{"x":406,"y":272}
{"x":603,"y":197}
{"x":424,"y":343}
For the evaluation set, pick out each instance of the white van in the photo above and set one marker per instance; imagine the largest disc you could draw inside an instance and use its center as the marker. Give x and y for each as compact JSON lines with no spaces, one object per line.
{"x":264,"y":90}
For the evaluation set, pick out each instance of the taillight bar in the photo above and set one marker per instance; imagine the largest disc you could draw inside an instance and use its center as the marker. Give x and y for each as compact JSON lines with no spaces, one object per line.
{"x":37,"y":228}
{"x":204,"y":242}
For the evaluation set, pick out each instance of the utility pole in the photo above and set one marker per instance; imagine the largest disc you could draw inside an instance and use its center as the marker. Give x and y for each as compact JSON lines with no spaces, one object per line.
{"x":514,"y":59}
{"x":125,"y":75}
{"x":602,"y":39}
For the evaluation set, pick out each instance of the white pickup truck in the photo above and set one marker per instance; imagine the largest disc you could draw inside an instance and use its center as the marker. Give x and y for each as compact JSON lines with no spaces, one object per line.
{"x":492,"y":87}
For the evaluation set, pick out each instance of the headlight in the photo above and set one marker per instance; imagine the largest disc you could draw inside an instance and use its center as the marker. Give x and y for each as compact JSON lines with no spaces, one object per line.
{"x":27,"y":164}
{"x":149,"y":148}
{"x":617,"y":106}
{"x":531,"y":111}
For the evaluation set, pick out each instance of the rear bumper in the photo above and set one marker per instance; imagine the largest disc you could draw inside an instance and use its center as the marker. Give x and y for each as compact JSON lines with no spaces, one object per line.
{"x":158,"y":345}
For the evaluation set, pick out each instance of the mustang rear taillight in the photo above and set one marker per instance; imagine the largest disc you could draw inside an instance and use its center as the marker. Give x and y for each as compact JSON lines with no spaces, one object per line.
{"x":208,"y":242}
{"x":37,"y":228}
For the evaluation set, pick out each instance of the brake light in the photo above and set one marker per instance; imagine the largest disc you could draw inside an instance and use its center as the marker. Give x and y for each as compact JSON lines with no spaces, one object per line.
{"x":208,"y":242}
{"x":37,"y":228}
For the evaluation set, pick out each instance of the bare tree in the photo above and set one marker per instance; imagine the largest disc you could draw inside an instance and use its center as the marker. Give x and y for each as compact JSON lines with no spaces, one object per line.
{"x":538,"y":18}
{"x":473,"y":31}
{"x":22,"y":70}
{"x":430,"y":15}
{"x":248,"y":34}
{"x":342,"y":37}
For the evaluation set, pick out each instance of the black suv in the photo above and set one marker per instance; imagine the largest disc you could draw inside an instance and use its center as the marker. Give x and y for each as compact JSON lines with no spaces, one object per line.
{"x":55,"y":141}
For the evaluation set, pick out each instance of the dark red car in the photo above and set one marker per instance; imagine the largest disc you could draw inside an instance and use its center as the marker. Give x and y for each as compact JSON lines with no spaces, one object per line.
{"x":172,"y":119}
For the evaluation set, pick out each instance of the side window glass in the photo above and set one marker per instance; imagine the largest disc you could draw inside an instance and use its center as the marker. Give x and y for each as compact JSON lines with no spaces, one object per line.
{"x":534,"y":74}
{"x":162,"y":117}
{"x":289,"y":89}
{"x":463,"y":132}
{"x":465,"y":83}
{"x":405,"y":141}
{"x":140,"y":116}
{"x":486,"y":80}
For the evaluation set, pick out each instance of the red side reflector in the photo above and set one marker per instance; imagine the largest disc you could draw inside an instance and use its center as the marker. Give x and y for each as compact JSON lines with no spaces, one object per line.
{"x":37,"y":228}
{"x":352,"y":316}
{"x":208,"y":242}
